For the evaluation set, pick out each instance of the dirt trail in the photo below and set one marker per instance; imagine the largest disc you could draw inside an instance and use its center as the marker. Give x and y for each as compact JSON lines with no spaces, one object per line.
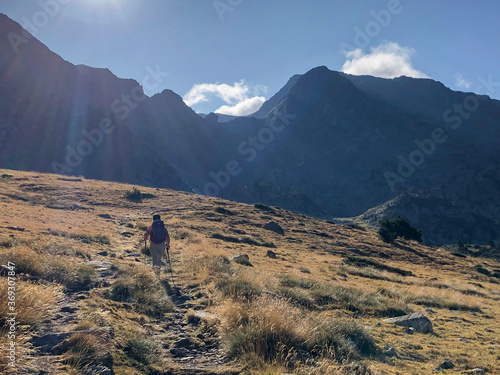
{"x":191,"y":351}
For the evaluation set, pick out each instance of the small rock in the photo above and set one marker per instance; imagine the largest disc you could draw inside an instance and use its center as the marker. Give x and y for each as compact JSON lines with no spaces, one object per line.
{"x":68,"y":309}
{"x":410,"y":330}
{"x":446,"y":365}
{"x":378,"y":324}
{"x":184,"y":343}
{"x":20,"y":229}
{"x":274,"y":227}
{"x":391,"y":352}
{"x":103,"y":253}
{"x":179,"y":353}
{"x":271,"y":254}
{"x":477,"y":370}
{"x":418,"y":321}
{"x":464,"y":340}
{"x":48,"y":343}
{"x":105,"y":216}
{"x":242,"y":259}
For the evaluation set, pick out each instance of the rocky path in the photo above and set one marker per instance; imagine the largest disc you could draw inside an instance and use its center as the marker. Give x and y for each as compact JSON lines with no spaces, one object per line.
{"x":188,"y":342}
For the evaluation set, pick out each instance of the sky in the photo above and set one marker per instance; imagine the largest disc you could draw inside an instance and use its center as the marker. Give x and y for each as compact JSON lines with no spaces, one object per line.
{"x":229,"y":56}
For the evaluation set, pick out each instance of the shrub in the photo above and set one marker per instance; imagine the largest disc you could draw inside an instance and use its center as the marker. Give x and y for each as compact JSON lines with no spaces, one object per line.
{"x":142,"y":349}
{"x":140,"y":286}
{"x":296,"y":298}
{"x":85,"y":349}
{"x":133,"y":195}
{"x":294,"y":281}
{"x":33,"y":302}
{"x":273,"y":331}
{"x":238,"y":289}
{"x":304,"y":270}
{"x":390,"y":229}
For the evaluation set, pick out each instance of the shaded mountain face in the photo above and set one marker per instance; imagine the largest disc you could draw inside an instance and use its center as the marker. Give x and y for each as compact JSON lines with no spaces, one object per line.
{"x":58,"y":117}
{"x":352,"y":143}
{"x":327,"y":144}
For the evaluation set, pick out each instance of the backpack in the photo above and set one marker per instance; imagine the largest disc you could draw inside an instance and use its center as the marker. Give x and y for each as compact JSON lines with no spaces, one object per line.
{"x":158,"y":232}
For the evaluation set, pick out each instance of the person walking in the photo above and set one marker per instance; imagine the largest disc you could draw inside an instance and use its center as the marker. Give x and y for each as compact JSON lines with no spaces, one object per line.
{"x":159,"y":240}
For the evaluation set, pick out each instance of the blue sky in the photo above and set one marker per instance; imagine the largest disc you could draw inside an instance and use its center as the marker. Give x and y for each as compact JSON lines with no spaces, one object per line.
{"x":230,"y":55}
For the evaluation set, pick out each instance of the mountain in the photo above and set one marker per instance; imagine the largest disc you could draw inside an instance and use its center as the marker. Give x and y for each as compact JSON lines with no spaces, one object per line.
{"x":272,"y":102}
{"x":55,"y":116}
{"x":220,"y":117}
{"x":350,"y":144}
{"x":328,"y":144}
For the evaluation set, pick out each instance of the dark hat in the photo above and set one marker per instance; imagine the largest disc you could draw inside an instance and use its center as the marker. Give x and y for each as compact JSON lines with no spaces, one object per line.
{"x":156,"y":217}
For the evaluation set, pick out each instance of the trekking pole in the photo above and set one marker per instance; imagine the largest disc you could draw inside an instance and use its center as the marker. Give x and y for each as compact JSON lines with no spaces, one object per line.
{"x":170,"y":264}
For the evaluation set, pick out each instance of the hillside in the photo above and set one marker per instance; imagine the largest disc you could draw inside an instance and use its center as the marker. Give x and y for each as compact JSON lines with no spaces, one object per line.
{"x":311,"y":298}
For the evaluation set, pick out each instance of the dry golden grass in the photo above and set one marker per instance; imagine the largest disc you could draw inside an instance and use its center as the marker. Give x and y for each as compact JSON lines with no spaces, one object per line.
{"x":466,"y":304}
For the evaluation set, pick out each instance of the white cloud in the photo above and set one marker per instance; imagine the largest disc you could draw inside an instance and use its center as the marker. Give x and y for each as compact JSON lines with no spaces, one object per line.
{"x":243,"y":108}
{"x":238,"y":97}
{"x":388,"y":60}
{"x":461,"y":82}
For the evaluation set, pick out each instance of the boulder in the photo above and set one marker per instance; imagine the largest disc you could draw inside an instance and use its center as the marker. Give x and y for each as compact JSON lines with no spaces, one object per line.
{"x":274,"y":227}
{"x":446,"y":365}
{"x":271,"y":254}
{"x":242,"y":259}
{"x":418,"y":321}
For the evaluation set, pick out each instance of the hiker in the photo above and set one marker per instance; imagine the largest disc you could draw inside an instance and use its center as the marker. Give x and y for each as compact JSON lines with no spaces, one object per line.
{"x":158,"y":235}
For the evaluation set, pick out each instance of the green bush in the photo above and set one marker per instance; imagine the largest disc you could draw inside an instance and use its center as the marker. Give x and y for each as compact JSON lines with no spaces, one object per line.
{"x":133,"y":195}
{"x":390,"y":229}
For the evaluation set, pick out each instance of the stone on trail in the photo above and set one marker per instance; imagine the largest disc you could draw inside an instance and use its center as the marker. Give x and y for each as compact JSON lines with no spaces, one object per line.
{"x":418,"y":321}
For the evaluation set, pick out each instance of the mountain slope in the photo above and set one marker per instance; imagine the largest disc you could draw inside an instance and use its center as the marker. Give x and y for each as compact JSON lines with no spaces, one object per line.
{"x":347,"y":147}
{"x":87,"y":298}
